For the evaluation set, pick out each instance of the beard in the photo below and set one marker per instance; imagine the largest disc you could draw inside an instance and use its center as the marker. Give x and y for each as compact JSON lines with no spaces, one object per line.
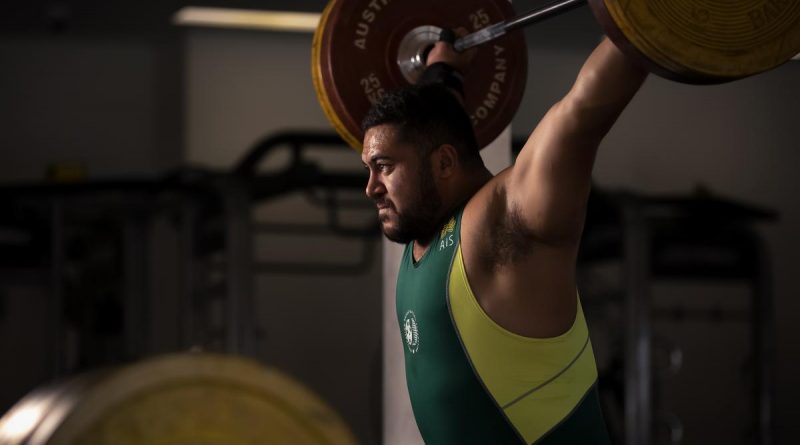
{"x":420,"y":221}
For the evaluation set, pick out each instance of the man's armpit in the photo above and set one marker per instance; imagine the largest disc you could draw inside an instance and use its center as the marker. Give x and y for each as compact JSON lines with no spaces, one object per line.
{"x":509,"y":239}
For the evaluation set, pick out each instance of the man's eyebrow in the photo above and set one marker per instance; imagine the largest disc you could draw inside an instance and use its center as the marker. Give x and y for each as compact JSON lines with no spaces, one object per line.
{"x":375,"y":158}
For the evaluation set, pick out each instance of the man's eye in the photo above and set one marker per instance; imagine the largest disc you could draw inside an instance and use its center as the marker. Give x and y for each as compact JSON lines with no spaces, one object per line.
{"x":383,"y":167}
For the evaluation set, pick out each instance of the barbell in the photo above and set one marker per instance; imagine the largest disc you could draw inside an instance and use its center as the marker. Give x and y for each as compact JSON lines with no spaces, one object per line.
{"x":363,"y":48}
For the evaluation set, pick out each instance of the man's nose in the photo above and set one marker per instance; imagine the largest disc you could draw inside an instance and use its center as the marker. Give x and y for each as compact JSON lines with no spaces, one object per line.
{"x":374,"y":187}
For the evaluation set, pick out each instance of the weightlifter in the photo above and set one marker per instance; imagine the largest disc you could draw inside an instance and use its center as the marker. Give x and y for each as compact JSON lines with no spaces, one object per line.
{"x":496,"y":345}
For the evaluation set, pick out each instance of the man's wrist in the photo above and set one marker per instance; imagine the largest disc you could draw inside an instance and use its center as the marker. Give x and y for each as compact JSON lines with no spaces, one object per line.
{"x":445,"y":74}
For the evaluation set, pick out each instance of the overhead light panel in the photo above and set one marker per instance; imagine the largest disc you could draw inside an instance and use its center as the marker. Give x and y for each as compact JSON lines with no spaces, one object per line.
{"x":246,"y":19}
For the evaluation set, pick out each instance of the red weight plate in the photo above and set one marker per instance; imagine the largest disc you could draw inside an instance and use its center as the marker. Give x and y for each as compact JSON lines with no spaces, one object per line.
{"x":355,"y":59}
{"x":319,"y":86}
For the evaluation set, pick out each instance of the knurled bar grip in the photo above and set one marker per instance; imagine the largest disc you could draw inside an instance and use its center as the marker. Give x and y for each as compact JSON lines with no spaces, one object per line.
{"x":533,"y":16}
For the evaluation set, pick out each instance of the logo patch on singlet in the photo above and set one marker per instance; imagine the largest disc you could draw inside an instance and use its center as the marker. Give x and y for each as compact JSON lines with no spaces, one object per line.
{"x":448,"y":228}
{"x":446,"y":236}
{"x":411,"y":332}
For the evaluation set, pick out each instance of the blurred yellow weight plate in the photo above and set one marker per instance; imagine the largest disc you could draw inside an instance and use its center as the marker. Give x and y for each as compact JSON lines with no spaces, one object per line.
{"x":197,"y":399}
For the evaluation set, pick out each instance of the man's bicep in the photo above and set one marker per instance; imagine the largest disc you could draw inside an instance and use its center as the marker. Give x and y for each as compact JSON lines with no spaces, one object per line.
{"x":550,"y":180}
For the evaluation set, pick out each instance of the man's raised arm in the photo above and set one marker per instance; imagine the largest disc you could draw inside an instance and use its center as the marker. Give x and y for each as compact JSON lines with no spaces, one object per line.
{"x":549,"y":184}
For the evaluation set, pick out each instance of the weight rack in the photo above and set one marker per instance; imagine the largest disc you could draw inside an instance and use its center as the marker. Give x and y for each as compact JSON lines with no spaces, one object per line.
{"x":699,"y":238}
{"x":210,"y":212}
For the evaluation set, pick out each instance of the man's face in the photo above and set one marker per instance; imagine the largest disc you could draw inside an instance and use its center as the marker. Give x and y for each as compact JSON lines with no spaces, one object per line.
{"x":401,"y":184}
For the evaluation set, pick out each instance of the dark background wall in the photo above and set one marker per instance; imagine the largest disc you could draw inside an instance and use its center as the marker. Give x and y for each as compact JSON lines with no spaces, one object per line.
{"x":117,"y":88}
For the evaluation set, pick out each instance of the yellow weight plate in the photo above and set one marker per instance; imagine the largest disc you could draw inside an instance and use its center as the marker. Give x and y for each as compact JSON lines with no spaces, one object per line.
{"x":705,"y":41}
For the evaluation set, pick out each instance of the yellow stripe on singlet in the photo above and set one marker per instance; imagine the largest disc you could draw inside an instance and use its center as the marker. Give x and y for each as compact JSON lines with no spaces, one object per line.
{"x":537,"y":382}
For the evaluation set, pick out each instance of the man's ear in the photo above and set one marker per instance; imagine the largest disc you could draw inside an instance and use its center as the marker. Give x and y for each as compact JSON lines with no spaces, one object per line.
{"x":445,"y":161}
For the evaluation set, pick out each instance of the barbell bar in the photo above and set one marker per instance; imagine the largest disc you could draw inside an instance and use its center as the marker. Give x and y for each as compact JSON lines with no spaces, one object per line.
{"x":535,"y":15}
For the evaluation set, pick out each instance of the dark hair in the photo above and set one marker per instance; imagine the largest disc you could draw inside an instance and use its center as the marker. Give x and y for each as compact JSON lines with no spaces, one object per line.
{"x":427,"y":116}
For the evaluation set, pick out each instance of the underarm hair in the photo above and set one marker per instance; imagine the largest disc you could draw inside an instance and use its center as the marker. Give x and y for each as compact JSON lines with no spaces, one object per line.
{"x":441,"y":72}
{"x":509,"y":240}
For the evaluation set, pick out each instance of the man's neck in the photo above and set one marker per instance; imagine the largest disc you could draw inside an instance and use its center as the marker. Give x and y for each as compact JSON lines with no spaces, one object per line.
{"x":461,"y":194}
{"x":464,"y":190}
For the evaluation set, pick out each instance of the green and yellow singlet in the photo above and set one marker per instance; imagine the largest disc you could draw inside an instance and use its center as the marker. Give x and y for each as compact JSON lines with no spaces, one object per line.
{"x":473,"y":382}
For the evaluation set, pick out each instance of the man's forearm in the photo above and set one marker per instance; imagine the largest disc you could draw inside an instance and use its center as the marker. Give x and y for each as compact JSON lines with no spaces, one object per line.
{"x":605,"y":85}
